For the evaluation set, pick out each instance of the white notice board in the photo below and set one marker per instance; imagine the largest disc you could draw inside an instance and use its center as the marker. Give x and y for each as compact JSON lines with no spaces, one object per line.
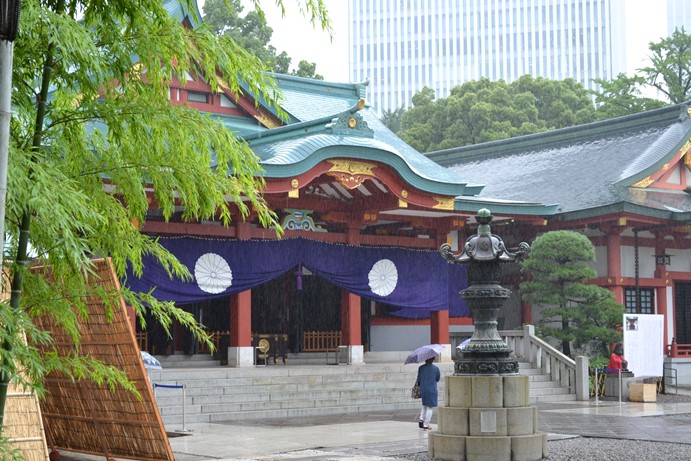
{"x":643,"y":343}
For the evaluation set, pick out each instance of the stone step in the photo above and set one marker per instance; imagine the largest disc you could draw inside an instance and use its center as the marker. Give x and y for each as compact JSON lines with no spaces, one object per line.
{"x":214,"y":394}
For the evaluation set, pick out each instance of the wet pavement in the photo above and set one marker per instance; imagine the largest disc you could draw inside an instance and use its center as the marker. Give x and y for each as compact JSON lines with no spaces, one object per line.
{"x":383,"y":436}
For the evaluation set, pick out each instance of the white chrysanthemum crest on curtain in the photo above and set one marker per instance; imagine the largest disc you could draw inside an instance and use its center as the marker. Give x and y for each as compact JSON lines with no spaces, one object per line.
{"x":213,"y":273}
{"x":383,"y":277}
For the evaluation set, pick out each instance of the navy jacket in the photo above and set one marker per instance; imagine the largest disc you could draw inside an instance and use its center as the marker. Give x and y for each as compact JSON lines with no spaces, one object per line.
{"x":428,"y":376}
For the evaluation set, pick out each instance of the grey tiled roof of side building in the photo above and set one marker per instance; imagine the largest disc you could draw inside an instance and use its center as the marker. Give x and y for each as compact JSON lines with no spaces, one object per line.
{"x":581,"y":168}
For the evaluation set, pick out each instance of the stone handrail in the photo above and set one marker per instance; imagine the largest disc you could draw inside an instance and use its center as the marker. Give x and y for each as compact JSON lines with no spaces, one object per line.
{"x":530,"y":348}
{"x":571,"y":374}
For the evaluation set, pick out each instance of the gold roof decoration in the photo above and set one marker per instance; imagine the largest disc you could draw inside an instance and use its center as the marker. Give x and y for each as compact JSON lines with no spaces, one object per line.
{"x":444,"y":203}
{"x":643,"y":183}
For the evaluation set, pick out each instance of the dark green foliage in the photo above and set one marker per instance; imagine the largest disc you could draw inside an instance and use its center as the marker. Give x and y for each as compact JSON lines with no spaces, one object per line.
{"x":574,"y":311}
{"x":669,"y":75}
{"x":483,"y":110}
{"x":670,"y":72}
{"x":393,"y":119}
{"x":622,"y":96}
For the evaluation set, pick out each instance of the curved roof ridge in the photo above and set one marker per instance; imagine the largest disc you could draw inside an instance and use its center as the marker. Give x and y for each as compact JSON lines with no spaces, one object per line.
{"x":560,"y":135}
{"x":654,"y":154}
{"x":179,"y":9}
{"x":301,"y":128}
{"x":293,"y":80}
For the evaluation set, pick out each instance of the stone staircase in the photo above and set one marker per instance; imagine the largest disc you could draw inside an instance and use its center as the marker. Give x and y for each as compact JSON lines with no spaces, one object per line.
{"x":543,"y":388}
{"x":305,"y":386}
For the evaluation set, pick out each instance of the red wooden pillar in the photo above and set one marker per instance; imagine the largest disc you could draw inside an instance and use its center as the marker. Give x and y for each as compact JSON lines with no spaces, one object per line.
{"x":350,"y":319}
{"x":661,"y":296}
{"x":614,"y":263}
{"x":526,"y":313}
{"x":439,"y":327}
{"x":241,"y":319}
{"x":241,"y":303}
{"x":661,"y":291}
{"x":177,"y":337}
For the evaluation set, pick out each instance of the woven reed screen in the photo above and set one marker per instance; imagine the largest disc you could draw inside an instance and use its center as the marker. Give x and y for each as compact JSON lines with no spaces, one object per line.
{"x":87,"y":418}
{"x":22,"y":425}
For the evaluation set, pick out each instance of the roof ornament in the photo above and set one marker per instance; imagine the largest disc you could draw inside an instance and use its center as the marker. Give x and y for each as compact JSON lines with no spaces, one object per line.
{"x":351,"y":122}
{"x":484,"y":246}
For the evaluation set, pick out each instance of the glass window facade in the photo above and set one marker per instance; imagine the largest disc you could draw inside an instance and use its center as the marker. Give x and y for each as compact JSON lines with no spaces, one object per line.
{"x":441,"y":44}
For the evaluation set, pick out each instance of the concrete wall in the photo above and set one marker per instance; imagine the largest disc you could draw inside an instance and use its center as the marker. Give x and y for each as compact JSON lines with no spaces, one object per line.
{"x":683,"y":371}
{"x":646,"y":262}
{"x":398,"y":338}
{"x":389,"y":338}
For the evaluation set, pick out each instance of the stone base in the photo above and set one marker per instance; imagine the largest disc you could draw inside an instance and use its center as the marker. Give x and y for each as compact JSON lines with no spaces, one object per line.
{"x":612,"y":385}
{"x":356,"y":355}
{"x":241,"y":357}
{"x":487,"y":418}
{"x":480,"y":363}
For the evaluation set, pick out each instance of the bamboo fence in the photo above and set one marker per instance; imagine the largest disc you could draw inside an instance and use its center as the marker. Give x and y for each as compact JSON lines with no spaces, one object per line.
{"x":22,"y":424}
{"x":85,"y":417}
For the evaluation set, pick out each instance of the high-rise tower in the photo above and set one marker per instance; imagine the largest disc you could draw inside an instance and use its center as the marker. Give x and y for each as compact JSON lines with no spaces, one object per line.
{"x":402,"y":46}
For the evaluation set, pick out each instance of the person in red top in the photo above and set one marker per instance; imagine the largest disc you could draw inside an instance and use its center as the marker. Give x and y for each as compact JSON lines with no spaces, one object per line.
{"x":617,"y":360}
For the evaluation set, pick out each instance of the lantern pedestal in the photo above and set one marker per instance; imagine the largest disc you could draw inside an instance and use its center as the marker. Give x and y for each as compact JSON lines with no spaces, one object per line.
{"x":487,"y":418}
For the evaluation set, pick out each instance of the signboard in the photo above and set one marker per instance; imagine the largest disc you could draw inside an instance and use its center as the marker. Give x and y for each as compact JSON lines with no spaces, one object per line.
{"x":643,"y":344}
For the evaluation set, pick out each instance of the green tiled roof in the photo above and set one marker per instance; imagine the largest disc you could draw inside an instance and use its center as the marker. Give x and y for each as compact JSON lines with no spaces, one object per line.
{"x":177,"y":10}
{"x":295,"y":148}
{"x":313,"y":133}
{"x":586,"y":169}
{"x":318,"y":131}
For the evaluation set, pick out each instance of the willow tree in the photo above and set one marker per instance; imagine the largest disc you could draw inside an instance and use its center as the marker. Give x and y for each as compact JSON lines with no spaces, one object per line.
{"x":91,"y":128}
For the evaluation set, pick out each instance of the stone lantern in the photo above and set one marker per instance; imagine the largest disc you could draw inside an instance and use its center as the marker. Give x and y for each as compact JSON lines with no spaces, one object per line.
{"x":487,"y":413}
{"x":486,"y":353}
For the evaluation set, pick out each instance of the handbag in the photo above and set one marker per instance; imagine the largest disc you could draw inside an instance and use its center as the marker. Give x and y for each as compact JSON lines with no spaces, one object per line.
{"x":415,"y":392}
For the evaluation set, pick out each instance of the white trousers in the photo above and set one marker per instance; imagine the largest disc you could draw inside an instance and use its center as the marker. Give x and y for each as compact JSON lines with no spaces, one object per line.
{"x":426,"y":415}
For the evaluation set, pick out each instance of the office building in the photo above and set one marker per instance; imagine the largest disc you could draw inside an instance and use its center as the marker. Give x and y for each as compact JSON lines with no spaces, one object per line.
{"x":401,"y":46}
{"x":678,"y":15}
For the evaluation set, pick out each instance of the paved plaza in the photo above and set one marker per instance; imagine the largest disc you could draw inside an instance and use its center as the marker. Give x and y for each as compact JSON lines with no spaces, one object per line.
{"x":383,"y":436}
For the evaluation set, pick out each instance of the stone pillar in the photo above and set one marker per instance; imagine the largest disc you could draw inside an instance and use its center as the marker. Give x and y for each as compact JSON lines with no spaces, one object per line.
{"x":582,"y":378}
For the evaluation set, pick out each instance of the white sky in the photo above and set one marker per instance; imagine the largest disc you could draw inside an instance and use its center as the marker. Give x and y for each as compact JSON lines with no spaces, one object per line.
{"x":293,"y":33}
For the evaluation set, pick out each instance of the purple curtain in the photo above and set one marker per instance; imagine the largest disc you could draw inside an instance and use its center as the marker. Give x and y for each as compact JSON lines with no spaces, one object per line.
{"x":416,"y":281}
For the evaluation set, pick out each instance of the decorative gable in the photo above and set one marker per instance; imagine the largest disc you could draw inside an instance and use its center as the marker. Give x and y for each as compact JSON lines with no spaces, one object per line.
{"x":197,"y":94}
{"x":674,"y":175}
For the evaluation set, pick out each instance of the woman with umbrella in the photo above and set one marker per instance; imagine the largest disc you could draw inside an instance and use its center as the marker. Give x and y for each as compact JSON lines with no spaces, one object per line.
{"x":428,"y":376}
